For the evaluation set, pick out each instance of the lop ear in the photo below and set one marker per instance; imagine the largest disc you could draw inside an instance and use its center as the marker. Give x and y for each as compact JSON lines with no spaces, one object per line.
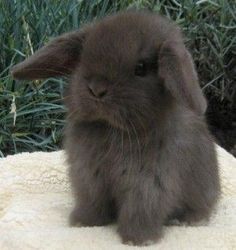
{"x":177,"y":70}
{"x":57,"y":58}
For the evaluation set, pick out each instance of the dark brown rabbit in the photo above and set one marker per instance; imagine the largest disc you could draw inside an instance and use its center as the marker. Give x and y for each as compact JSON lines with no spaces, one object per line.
{"x":136,"y":138}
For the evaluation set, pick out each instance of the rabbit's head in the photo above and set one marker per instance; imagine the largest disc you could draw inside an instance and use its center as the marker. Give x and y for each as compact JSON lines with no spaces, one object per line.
{"x":127,"y":68}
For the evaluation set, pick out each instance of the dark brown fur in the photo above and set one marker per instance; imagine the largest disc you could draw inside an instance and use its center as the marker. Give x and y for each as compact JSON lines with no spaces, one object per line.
{"x":138,"y":146}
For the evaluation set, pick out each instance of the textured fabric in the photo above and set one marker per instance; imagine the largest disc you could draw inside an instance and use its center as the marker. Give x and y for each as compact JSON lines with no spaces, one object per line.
{"x":35,"y":202}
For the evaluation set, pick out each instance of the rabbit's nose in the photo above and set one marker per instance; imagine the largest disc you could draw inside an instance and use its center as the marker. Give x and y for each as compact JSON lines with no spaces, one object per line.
{"x":98,"y":90}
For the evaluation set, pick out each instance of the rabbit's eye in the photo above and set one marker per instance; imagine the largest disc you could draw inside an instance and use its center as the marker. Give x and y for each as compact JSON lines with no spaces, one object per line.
{"x":140,"y":69}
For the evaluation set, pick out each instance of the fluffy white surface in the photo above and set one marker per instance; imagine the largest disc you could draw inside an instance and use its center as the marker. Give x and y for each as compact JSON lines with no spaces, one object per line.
{"x":35,"y":201}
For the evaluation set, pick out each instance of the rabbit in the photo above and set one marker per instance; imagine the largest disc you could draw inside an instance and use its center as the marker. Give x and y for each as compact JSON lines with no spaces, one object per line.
{"x":136,"y":139}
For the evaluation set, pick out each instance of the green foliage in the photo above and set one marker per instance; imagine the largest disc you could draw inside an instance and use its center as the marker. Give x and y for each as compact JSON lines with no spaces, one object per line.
{"x":25,"y":25}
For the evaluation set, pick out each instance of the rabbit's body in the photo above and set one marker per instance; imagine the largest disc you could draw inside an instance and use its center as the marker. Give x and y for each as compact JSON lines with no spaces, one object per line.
{"x":137,"y":143}
{"x":142,"y":179}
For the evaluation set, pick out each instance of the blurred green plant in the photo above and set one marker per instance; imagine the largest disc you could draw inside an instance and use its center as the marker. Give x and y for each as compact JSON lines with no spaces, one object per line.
{"x":25,"y":25}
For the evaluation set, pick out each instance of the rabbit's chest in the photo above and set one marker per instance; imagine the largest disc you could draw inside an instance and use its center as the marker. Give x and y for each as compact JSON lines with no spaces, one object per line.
{"x":119,"y":158}
{"x":115,"y":157}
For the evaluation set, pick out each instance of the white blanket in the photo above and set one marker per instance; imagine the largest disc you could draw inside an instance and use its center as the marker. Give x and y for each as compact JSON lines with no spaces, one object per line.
{"x":35,"y":201}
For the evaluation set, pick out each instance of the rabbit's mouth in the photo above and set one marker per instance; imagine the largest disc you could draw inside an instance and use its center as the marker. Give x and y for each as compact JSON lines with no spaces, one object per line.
{"x":116,"y":113}
{"x":110,"y":113}
{"x":92,"y":110}
{"x":120,"y":116}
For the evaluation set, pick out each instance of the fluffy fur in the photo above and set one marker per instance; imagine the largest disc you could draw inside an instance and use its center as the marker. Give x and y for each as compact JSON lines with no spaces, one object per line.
{"x":137,"y":142}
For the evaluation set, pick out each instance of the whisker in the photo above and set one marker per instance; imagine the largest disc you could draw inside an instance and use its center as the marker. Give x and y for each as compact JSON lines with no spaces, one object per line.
{"x":106,"y":140}
{"x":138,"y":142}
{"x":72,"y":113}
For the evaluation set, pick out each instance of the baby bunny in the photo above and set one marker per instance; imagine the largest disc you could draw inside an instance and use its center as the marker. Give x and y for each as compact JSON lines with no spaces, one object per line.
{"x":137,"y":143}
